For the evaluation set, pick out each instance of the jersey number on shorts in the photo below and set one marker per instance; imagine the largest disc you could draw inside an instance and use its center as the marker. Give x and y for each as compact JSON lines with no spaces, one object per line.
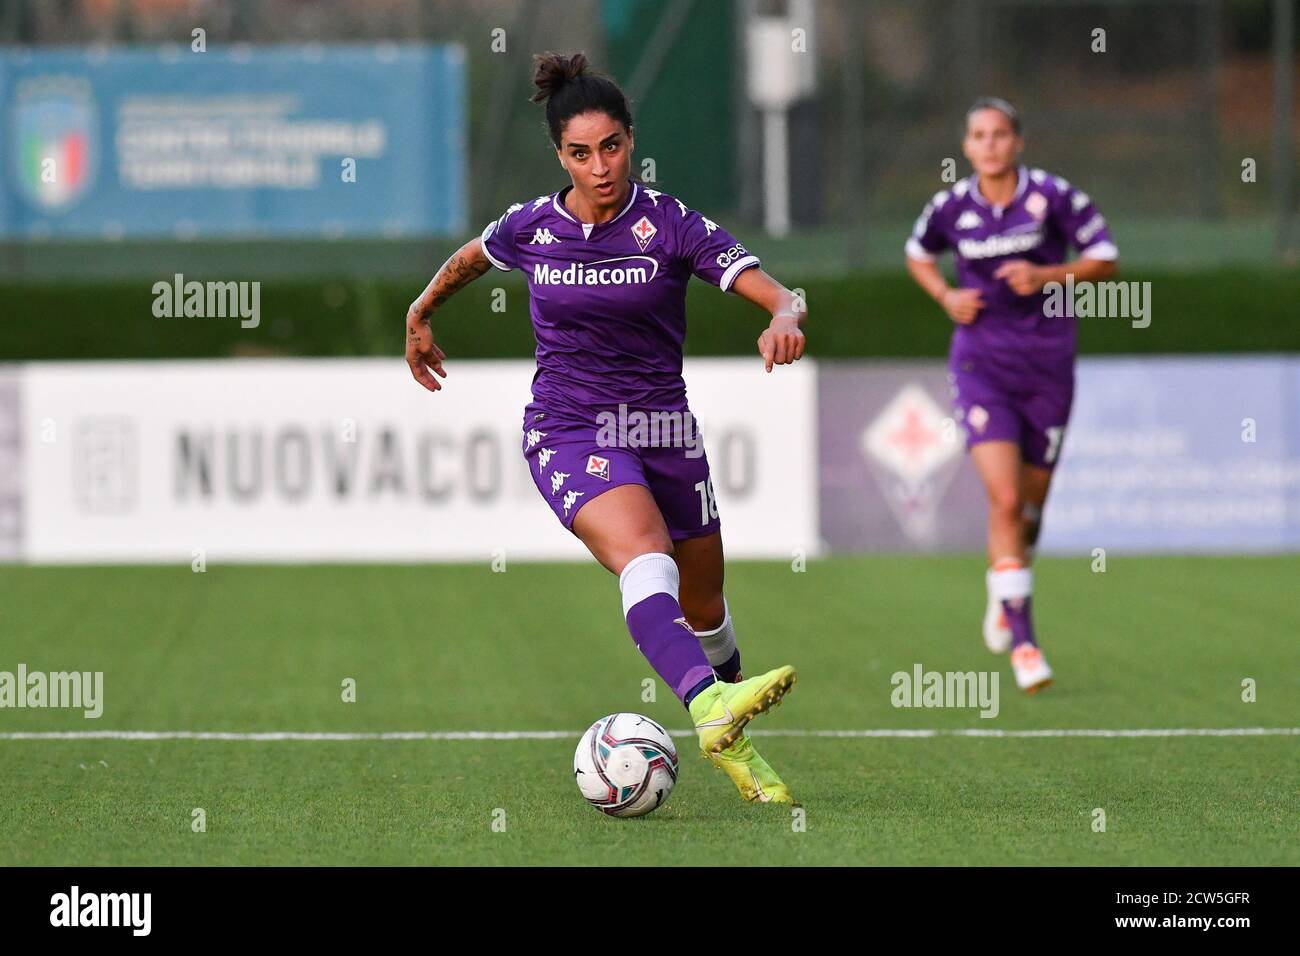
{"x":1054,"y":435}
{"x":708,"y":504}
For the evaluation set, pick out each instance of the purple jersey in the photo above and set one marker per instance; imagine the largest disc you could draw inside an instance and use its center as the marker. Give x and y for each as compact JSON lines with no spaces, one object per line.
{"x":608,"y":301}
{"x":1043,"y":219}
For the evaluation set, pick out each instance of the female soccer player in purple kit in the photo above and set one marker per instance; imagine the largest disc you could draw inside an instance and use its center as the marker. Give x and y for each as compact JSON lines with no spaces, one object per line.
{"x":1011,"y":364}
{"x":607,"y":262}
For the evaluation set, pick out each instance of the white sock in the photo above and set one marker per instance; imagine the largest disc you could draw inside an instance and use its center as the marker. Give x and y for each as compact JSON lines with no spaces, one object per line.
{"x":647,"y":574}
{"x":720,"y":643}
{"x":1011,"y":584}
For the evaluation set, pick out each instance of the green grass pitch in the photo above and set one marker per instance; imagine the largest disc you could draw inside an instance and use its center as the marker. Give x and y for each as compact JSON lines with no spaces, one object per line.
{"x":1154,"y":642}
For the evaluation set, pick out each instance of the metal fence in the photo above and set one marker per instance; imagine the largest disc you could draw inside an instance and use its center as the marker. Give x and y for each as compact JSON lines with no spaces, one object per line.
{"x":1178,"y":116}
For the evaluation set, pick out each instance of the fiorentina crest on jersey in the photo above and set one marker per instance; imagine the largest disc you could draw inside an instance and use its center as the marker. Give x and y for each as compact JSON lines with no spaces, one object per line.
{"x":598,"y":466}
{"x":643,"y":230}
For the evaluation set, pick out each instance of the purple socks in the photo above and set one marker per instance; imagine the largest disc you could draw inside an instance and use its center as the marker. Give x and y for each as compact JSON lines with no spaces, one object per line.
{"x":661,"y":634}
{"x":649,"y":584}
{"x":1012,"y":585}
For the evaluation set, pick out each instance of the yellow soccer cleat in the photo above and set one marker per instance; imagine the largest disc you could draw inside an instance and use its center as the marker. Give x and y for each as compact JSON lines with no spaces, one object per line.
{"x":722,"y":711}
{"x":753,"y":777}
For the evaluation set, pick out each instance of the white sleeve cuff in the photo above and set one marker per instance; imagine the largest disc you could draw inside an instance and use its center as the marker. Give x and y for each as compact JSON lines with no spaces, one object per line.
{"x":1100,"y":250}
{"x":734,"y":270}
{"x":487,"y":231}
{"x":917,"y":251}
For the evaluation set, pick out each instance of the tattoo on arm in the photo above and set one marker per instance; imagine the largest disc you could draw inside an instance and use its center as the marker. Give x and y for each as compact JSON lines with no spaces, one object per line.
{"x":456,"y":273}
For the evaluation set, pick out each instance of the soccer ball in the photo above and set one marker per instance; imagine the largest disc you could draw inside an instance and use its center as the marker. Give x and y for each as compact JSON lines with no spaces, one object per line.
{"x":625,"y":765}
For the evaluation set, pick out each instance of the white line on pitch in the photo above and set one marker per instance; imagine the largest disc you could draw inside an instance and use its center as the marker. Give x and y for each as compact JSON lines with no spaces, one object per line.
{"x":276,"y":735}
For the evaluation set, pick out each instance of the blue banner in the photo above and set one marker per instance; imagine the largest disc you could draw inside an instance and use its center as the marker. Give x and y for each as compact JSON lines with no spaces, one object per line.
{"x":233,"y":142}
{"x":1180,"y":454}
{"x":1162,"y":454}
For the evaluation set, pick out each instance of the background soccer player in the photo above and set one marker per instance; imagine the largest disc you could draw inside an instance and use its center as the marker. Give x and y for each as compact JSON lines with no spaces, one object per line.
{"x":1011,"y":365}
{"x":607,"y":262}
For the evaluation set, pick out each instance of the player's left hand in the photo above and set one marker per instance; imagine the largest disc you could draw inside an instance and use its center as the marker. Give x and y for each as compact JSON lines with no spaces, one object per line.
{"x":782,"y":342}
{"x":422,"y":352}
{"x":1024,"y":277}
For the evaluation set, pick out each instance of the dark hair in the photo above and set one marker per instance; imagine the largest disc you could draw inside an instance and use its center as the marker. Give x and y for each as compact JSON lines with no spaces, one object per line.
{"x":568,"y":87}
{"x":1001,"y":105}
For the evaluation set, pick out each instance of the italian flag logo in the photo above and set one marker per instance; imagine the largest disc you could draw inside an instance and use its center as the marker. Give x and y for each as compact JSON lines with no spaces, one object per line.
{"x":54,"y":129}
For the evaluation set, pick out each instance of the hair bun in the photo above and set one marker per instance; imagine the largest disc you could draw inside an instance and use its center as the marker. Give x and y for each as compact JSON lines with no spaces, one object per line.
{"x":553,"y":70}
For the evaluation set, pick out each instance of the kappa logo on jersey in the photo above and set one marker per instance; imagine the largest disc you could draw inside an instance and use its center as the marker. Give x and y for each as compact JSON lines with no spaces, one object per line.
{"x":570,"y":498}
{"x":643,"y":231}
{"x":709,"y":225}
{"x":544,"y":458}
{"x":682,"y":206}
{"x":654,"y":196}
{"x":543,"y":237}
{"x":534,"y":436}
{"x":1036,"y":205}
{"x":539,"y":202}
{"x":978,"y":418}
{"x":1080,"y":200}
{"x":598,"y":466}
{"x":970,"y":219}
{"x":557,"y":479}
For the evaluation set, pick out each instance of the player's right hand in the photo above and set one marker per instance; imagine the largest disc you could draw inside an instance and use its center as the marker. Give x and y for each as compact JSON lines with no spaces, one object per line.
{"x":422,"y":353}
{"x":963,"y":305}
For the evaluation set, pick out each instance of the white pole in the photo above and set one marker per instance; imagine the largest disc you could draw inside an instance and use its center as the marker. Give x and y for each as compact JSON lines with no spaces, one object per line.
{"x":776,"y":173}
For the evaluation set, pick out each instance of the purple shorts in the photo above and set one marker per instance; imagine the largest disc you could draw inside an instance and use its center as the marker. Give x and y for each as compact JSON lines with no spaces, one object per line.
{"x":992,"y":405}
{"x":573,"y":462}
